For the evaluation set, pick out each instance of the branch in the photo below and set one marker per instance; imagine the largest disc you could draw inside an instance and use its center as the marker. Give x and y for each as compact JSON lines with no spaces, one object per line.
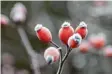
{"x":54,"y":44}
{"x":63,"y":60}
{"x":67,"y":53}
{"x":60,"y":50}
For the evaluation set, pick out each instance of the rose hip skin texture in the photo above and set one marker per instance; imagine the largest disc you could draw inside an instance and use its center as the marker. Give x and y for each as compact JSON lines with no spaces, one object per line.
{"x":73,"y":44}
{"x":74,"y":41}
{"x":65,"y":33}
{"x":4,"y":20}
{"x":44,"y":35}
{"x":97,"y":43}
{"x":82,"y":31}
{"x":100,"y":43}
{"x":52,"y":51}
{"x":108,"y":54}
{"x":108,"y":51}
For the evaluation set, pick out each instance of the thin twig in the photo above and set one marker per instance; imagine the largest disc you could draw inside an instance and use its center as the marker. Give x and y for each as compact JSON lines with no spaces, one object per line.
{"x":59,"y":48}
{"x":63,"y":60}
{"x":54,"y":44}
{"x":60,"y":62}
{"x":66,"y":55}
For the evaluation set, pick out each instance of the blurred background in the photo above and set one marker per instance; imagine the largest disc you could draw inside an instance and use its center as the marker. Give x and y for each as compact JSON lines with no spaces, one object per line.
{"x":98,"y":16}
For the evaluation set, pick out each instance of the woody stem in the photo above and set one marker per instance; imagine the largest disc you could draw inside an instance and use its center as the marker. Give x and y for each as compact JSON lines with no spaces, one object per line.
{"x":62,"y":60}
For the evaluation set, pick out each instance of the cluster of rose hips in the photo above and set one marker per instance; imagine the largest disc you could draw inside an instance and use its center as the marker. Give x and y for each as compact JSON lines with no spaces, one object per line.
{"x":67,"y":35}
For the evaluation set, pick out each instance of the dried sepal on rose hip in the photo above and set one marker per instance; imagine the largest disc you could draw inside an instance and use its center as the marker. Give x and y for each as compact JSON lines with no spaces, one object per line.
{"x":82,"y":29}
{"x":43,"y":33}
{"x":65,"y":32}
{"x":51,"y":55}
{"x":74,"y":41}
